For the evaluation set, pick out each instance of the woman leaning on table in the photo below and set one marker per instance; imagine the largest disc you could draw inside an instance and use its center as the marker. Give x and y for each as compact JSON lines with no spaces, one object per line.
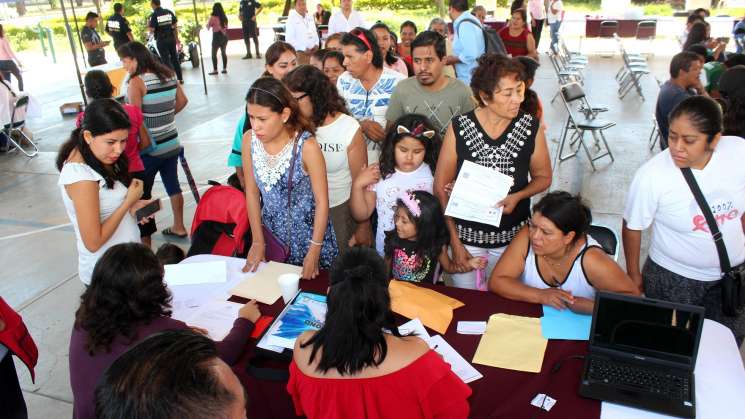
{"x":497,"y":135}
{"x":351,"y":368}
{"x":271,"y":172}
{"x":553,"y":261}
{"x":683,"y":265}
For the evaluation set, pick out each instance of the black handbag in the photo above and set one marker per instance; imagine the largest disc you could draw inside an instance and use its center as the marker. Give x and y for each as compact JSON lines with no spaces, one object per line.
{"x":733,"y":278}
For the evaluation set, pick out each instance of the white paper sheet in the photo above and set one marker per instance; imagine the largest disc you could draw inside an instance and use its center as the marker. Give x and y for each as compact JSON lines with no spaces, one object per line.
{"x":196,"y":273}
{"x":458,"y":364}
{"x":216,"y":317}
{"x":471,"y":328}
{"x":416,"y":327}
{"x":476,"y":193}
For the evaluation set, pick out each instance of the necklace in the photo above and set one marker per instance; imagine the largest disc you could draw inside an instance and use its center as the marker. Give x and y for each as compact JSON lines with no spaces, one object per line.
{"x":561,"y":260}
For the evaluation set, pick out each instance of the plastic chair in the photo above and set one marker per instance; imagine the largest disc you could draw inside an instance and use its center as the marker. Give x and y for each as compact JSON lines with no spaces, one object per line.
{"x":606,"y":237}
{"x":16,"y":128}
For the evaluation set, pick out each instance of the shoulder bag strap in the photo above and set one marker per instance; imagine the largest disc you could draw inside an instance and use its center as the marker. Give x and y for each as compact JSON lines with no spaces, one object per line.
{"x":293,"y":159}
{"x":713,"y":228}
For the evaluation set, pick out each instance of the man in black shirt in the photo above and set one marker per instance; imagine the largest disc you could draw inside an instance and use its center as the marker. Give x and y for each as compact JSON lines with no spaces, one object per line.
{"x":118,"y":27}
{"x":247,"y":15}
{"x":92,"y":42}
{"x":163,"y":24}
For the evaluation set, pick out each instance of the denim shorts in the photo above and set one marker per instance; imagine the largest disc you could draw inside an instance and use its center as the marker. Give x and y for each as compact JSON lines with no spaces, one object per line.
{"x":168,"y":169}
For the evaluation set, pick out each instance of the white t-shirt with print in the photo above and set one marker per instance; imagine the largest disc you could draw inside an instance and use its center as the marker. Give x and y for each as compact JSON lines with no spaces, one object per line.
{"x":388,"y":190}
{"x":334,"y":140}
{"x":372,"y":104}
{"x":681,"y":241}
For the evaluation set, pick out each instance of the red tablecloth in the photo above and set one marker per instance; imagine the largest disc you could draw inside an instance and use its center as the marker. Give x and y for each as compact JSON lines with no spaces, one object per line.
{"x":626,"y":27}
{"x":499,"y":394}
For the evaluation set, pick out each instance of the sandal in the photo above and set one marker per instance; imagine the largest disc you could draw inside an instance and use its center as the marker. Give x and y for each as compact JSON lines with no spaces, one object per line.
{"x":169,"y":232}
{"x":213,"y":73}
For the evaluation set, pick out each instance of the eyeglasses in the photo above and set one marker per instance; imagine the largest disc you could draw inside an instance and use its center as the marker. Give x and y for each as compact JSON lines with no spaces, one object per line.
{"x":298,"y":98}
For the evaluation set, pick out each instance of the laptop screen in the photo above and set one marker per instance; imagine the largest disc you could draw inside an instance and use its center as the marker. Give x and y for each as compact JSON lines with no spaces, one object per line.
{"x":647,"y":328}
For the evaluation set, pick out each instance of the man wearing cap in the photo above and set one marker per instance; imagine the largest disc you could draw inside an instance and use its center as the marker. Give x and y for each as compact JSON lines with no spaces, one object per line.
{"x":732,"y":89}
{"x":92,"y":41}
{"x":685,"y":70}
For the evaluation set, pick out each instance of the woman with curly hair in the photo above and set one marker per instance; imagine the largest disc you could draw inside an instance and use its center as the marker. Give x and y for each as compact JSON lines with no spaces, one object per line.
{"x":341,"y":142}
{"x":126,"y":302}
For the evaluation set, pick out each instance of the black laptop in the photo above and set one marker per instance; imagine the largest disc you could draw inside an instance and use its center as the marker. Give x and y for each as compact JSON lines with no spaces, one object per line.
{"x":642,"y":354}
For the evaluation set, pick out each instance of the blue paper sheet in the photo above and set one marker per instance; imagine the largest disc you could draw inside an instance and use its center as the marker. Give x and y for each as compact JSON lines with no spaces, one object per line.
{"x":565,"y":324}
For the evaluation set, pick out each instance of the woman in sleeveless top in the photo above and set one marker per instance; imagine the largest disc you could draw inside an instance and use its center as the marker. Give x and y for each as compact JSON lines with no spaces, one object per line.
{"x":499,"y":136}
{"x":154,"y":89}
{"x":271,"y":173}
{"x":517,"y":39}
{"x":342,"y":143}
{"x":554,"y":262}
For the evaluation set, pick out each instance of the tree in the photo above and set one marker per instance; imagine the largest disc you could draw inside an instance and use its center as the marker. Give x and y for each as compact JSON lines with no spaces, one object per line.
{"x":286,"y":10}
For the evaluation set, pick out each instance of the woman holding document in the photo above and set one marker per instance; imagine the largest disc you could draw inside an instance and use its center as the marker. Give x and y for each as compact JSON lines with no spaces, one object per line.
{"x":554,"y":262}
{"x":497,"y":136}
{"x":127,"y":301}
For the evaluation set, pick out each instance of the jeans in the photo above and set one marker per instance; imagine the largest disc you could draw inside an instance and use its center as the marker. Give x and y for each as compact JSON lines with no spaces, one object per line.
{"x":169,"y":55}
{"x":554,"y":32}
{"x":8,"y":67}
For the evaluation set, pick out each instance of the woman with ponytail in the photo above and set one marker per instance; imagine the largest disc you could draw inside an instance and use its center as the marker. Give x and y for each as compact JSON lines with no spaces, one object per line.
{"x":98,"y":192}
{"x":354,"y":368}
{"x":553,"y":261}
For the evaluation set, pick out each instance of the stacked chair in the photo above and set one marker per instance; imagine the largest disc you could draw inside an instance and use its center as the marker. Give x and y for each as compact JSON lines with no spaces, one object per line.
{"x":633,"y":69}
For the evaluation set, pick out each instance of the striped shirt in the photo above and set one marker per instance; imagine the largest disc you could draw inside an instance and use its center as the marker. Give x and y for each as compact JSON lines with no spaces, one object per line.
{"x":159,"y":110}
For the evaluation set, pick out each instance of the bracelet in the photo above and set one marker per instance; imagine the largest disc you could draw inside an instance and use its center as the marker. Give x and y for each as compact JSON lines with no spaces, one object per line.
{"x":311,"y":241}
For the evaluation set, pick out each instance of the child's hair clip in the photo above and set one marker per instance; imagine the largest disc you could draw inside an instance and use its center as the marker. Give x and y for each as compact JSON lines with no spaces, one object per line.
{"x":417,"y":132}
{"x":411,"y":203}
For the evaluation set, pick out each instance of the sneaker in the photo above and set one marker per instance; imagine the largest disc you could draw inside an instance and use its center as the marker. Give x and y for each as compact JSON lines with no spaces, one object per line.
{"x":213,"y":73}
{"x":224,"y":71}
{"x":246,"y":57}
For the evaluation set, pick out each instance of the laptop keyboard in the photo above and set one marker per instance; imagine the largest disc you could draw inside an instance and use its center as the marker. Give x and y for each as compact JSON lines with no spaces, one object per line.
{"x":643,"y":379}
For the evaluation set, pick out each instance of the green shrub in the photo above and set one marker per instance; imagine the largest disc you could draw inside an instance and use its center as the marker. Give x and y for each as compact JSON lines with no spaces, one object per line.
{"x":395,"y":4}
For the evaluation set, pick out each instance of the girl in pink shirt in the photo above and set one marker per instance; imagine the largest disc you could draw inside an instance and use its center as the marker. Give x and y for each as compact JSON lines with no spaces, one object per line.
{"x":219,"y":24}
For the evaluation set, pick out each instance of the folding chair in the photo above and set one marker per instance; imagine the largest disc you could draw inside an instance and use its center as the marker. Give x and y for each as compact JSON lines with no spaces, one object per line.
{"x":570,"y":94}
{"x":571,"y":54}
{"x":563,"y":76}
{"x":654,"y":136}
{"x":606,"y":238}
{"x":646,"y":30}
{"x":608,"y":28}
{"x":16,"y":128}
{"x":629,"y":76}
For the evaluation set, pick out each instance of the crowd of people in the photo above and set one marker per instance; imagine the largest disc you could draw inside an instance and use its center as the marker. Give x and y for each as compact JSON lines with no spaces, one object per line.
{"x":349,"y":163}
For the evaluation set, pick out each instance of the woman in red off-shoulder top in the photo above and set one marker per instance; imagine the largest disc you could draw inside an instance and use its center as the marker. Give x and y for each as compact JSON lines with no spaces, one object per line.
{"x":352,"y":369}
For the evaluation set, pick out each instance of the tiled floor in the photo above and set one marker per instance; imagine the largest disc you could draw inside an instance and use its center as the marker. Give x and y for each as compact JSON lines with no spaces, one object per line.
{"x":39,"y":268}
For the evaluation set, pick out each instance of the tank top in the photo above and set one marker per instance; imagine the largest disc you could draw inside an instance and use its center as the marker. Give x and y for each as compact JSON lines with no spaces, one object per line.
{"x":159,"y":111}
{"x":575,"y":282}
{"x":509,"y":154}
{"x":515,"y":45}
{"x":334,"y":140}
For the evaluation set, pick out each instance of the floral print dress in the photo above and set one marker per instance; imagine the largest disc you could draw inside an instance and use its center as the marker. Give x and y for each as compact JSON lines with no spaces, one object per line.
{"x":293,"y":226}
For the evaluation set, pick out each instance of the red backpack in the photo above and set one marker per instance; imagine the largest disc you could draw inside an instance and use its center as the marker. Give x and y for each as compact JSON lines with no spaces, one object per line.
{"x":220,"y":225}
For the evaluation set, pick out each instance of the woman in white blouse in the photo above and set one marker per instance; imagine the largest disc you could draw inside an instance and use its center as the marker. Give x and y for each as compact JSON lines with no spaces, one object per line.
{"x":342,"y":144}
{"x":99,"y":195}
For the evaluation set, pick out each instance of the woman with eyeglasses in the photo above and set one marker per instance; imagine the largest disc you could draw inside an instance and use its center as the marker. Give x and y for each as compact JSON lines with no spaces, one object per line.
{"x":499,"y":136}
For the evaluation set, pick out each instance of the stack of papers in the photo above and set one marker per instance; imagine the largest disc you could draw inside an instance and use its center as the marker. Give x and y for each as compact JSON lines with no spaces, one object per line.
{"x":458,"y":364}
{"x":216,"y":317}
{"x":196,"y":273}
{"x":263,"y":286}
{"x":565,"y":324}
{"x":513,"y":343}
{"x":434,"y":309}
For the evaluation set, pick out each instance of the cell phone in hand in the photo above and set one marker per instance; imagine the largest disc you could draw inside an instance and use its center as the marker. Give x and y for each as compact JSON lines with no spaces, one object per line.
{"x":147,"y":210}
{"x":723,"y":39}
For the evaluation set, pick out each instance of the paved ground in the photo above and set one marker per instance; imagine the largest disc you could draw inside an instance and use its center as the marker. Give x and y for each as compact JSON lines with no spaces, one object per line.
{"x":40,"y":279}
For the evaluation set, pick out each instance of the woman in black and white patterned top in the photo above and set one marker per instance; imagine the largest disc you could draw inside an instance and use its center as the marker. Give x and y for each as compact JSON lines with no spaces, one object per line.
{"x":499,"y":136}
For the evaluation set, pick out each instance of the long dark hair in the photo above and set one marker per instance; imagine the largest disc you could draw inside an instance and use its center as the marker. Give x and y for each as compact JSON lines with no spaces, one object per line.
{"x":359,"y":308}
{"x":431,"y":231}
{"x":218,"y":11}
{"x":390,"y":57}
{"x":146,"y":62}
{"x":102,"y":116}
{"x":2,"y":31}
{"x":412,"y":122}
{"x":696,"y":35}
{"x":271,"y":93}
{"x":98,"y":85}
{"x":531,"y":103}
{"x":734,"y":117}
{"x":126,"y":290}
{"x":321,"y":92}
